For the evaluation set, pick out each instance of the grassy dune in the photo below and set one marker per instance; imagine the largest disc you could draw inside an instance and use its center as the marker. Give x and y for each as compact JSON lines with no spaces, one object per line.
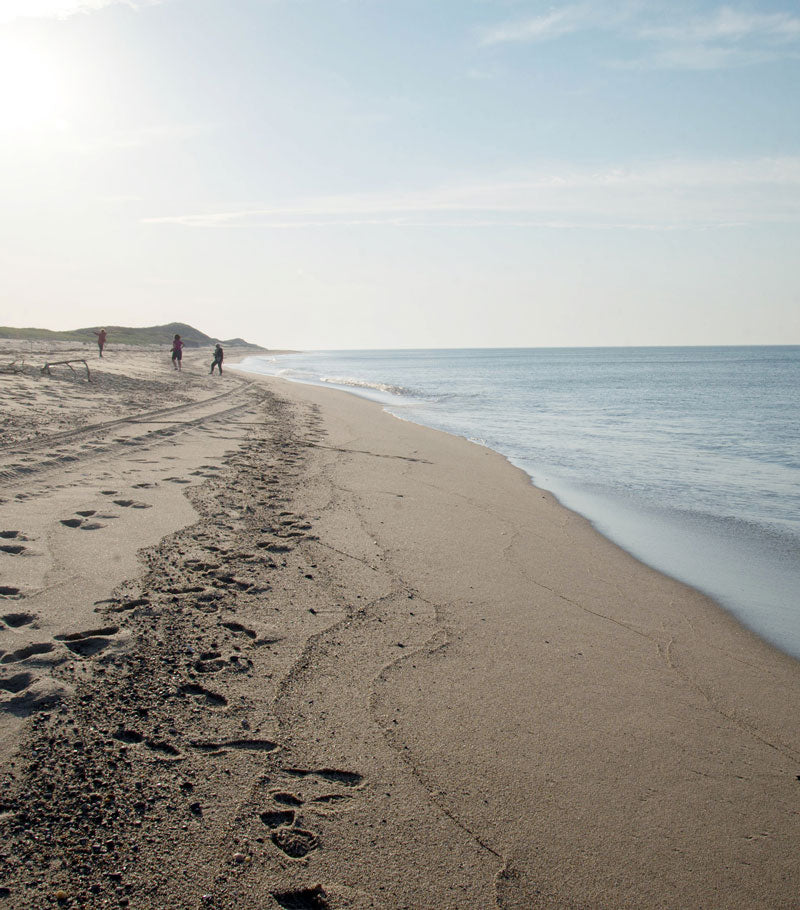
{"x":156,"y":334}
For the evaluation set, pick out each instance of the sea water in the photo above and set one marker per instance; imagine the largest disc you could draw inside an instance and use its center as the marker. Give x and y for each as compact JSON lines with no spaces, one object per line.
{"x":688,"y":458}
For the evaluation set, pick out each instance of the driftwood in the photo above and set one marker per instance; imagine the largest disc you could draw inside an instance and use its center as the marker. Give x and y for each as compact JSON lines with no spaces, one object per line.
{"x":55,"y":363}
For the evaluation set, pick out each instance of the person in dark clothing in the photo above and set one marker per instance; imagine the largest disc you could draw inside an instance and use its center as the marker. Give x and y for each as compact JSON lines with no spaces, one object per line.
{"x":217,"y":361}
{"x":101,"y":340}
{"x":177,"y":352}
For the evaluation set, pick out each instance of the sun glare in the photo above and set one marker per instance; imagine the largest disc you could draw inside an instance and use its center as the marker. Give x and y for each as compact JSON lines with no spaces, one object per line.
{"x":33,"y":91}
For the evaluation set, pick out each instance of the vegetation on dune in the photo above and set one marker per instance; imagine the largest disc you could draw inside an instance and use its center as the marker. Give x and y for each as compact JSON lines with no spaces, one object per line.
{"x":117,"y":334}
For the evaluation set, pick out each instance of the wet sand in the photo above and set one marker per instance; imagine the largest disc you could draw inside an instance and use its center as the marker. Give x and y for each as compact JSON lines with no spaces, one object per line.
{"x":266,"y":646}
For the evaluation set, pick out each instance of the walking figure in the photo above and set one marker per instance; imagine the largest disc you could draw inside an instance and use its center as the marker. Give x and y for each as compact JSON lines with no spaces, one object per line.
{"x":217,"y":361}
{"x":101,"y":340}
{"x":177,"y":351}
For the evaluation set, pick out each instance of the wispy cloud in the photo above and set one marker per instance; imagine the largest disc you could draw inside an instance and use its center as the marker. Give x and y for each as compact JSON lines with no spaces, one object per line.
{"x":697,"y":57}
{"x":666,"y":196}
{"x":728,"y":25}
{"x":10,"y":10}
{"x":539,"y":28}
{"x":725,"y":37}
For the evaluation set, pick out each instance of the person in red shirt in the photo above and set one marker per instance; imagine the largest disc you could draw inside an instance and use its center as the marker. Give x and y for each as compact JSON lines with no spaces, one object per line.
{"x":177,"y":351}
{"x":101,"y":340}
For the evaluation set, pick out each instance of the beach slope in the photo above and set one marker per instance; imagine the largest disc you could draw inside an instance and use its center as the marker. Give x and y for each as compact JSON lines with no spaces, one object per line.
{"x":266,"y":646}
{"x":609,"y":736}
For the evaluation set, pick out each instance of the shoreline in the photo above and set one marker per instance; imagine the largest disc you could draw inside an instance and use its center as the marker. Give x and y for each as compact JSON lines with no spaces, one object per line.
{"x":715,"y":607}
{"x":644,"y":634}
{"x":634,"y":531}
{"x":369,"y":666}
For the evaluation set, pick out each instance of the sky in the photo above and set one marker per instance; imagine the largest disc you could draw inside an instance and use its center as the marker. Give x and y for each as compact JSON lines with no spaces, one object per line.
{"x":343,"y":174}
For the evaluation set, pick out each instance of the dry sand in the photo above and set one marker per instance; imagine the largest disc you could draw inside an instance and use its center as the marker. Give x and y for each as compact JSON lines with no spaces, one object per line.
{"x":265,"y":646}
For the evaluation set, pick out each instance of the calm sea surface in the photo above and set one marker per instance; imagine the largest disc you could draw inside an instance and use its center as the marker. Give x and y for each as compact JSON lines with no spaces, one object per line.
{"x":689,"y":458}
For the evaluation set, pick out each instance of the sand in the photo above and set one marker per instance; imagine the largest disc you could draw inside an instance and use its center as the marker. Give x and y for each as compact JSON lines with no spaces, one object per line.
{"x":265,"y":646}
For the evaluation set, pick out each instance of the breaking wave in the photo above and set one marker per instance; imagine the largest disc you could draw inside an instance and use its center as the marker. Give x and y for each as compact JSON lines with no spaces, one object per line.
{"x":353,"y":383}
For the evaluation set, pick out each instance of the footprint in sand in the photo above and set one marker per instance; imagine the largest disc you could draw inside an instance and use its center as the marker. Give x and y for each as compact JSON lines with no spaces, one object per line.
{"x":31,"y":653}
{"x":14,"y":549}
{"x":83,"y":522}
{"x":16,"y":683}
{"x":239,"y":629}
{"x":295,"y":842}
{"x":131,"y":504}
{"x":210,"y":698}
{"x":223,"y":746}
{"x":129,"y":737}
{"x":185,"y":589}
{"x":163,"y":749}
{"x":9,"y":592}
{"x":332,"y":775}
{"x":274,"y":547}
{"x":90,"y":642}
{"x":331,"y":800}
{"x":115,"y":605}
{"x":283,"y":817}
{"x":278,"y":818}
{"x":305,"y":898}
{"x":23,"y":693}
{"x":16,"y":620}
{"x":214,"y":662}
{"x":285,"y":798}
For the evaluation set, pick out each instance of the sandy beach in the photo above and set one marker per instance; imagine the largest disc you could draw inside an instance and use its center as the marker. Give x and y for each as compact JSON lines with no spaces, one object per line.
{"x":265,"y":646}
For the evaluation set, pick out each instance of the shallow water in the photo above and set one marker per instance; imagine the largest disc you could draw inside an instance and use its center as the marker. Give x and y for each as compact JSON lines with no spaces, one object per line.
{"x":689,"y":458}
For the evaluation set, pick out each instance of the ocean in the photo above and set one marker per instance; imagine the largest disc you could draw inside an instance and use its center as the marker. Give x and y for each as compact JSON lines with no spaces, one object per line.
{"x":688,"y":458}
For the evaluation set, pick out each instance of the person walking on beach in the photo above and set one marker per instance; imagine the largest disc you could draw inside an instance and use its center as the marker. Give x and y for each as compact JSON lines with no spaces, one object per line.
{"x":177,"y":352}
{"x":101,"y":340}
{"x":217,"y":361}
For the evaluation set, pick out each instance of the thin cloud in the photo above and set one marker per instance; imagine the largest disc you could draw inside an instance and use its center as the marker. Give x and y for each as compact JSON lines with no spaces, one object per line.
{"x":538,"y":28}
{"x":728,"y":25}
{"x":726,"y":37}
{"x":696,"y":57}
{"x":668,"y":196}
{"x":12,"y":10}
{"x":482,"y":223}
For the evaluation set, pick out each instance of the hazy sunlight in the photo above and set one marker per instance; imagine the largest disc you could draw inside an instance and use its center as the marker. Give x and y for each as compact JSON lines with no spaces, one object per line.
{"x":33,"y":90}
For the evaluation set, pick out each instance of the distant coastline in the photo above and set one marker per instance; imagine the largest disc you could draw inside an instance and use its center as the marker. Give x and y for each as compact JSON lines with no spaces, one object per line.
{"x":138,"y":336}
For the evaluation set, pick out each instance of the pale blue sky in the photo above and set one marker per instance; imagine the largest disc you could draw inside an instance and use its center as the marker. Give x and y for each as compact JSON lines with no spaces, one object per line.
{"x":400,"y":173}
